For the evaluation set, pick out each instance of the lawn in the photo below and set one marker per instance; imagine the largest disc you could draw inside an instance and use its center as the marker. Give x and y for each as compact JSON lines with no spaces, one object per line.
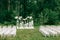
{"x":32,"y":34}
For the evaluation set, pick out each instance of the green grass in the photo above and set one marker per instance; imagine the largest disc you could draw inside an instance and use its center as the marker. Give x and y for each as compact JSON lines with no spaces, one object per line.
{"x":33,"y":34}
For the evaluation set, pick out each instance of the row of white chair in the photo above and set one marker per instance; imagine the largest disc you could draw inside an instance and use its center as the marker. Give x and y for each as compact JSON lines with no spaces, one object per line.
{"x":50,"y":30}
{"x":8,"y":31}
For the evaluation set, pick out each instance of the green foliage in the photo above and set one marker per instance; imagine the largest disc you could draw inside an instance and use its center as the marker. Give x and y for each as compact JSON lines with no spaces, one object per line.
{"x":42,"y":11}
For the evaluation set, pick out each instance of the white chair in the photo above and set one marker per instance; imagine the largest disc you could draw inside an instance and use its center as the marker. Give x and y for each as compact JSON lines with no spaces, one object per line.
{"x":54,"y":33}
{"x":13,"y":31}
{"x":8,"y":31}
{"x":4,"y":29}
{"x":1,"y":33}
{"x":45,"y":33}
{"x":57,"y":30}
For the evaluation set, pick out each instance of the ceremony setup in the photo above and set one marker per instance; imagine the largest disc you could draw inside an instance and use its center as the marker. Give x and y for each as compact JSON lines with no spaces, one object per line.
{"x":29,"y":19}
